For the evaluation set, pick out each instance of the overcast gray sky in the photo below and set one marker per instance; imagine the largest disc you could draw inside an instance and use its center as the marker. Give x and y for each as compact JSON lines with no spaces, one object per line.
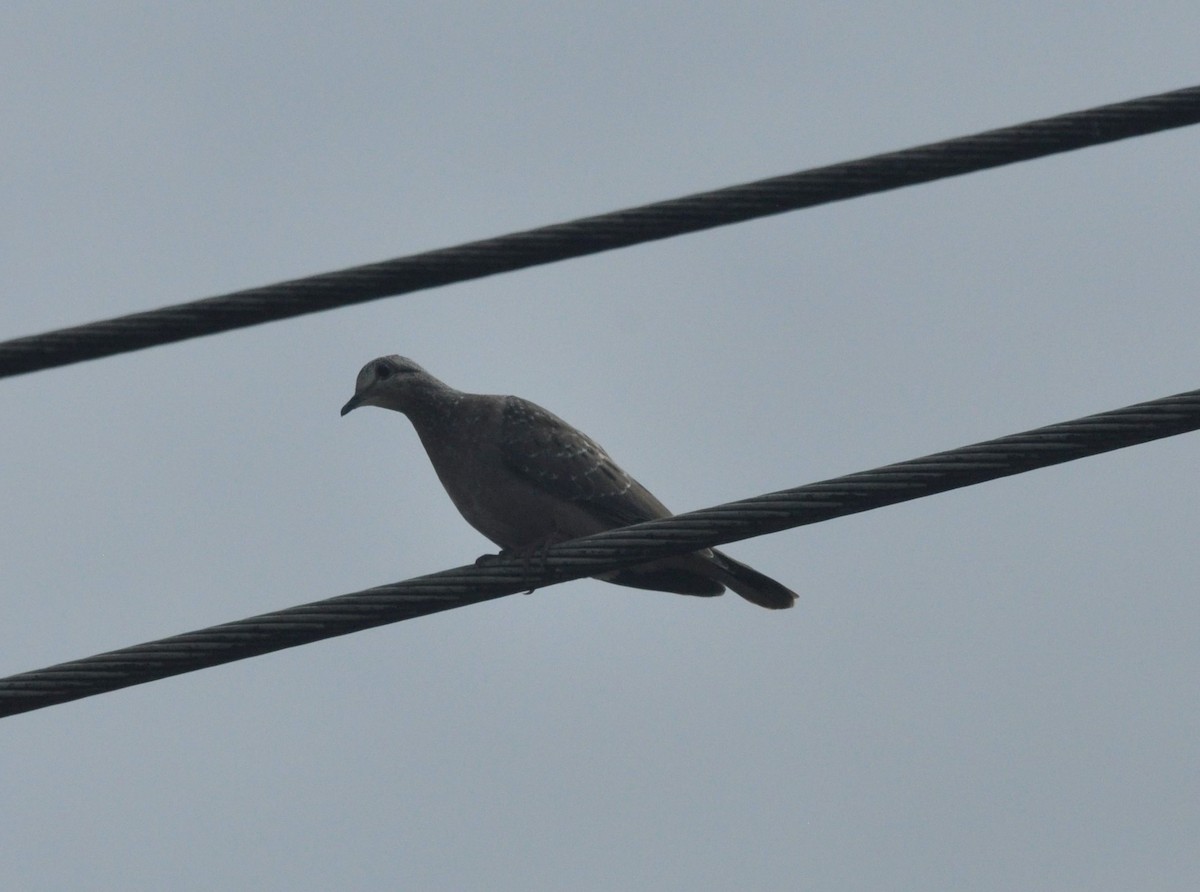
{"x":990,"y":689}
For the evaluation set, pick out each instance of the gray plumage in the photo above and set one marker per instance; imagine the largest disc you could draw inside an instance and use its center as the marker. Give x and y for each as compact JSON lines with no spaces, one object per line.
{"x":526,"y":479}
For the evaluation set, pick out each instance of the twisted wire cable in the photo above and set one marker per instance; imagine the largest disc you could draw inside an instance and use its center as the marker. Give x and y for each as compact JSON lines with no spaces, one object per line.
{"x":591,"y":235}
{"x":588,"y":556}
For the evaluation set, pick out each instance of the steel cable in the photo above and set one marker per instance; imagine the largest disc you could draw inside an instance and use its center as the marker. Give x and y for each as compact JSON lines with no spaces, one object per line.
{"x":588,"y":556}
{"x":591,"y":235}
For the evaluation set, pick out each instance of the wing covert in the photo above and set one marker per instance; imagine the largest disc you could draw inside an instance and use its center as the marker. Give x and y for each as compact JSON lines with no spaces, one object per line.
{"x":543,"y":449}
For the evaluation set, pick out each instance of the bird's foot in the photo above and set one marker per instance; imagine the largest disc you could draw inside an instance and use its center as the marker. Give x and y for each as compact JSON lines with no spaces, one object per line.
{"x":524,"y":554}
{"x":527,"y":553}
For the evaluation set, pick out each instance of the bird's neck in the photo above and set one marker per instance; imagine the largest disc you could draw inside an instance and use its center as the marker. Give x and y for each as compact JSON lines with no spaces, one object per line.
{"x":433,"y":412}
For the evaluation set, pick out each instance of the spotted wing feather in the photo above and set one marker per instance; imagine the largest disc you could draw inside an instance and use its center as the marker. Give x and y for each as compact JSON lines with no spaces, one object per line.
{"x":543,"y":449}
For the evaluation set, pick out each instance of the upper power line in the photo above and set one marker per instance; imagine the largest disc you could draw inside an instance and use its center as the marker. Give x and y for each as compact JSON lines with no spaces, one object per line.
{"x":591,"y":235}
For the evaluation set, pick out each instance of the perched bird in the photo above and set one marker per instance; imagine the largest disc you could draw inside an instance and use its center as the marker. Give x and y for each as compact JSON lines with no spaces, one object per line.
{"x":526,"y":479}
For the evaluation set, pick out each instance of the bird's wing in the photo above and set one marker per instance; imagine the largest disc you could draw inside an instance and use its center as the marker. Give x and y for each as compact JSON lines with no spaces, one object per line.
{"x":541,"y":448}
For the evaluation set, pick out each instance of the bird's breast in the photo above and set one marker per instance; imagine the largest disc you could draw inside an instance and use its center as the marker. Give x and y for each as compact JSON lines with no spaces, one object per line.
{"x":505,"y":507}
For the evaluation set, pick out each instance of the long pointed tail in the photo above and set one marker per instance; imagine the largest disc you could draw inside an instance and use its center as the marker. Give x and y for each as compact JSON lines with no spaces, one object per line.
{"x":755,"y":587}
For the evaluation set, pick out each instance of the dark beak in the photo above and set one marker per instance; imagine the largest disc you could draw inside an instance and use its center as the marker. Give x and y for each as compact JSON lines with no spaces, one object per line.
{"x":354,"y":403}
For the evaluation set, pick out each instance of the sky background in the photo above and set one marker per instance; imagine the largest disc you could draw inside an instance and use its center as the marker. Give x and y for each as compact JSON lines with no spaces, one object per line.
{"x":990,"y":689}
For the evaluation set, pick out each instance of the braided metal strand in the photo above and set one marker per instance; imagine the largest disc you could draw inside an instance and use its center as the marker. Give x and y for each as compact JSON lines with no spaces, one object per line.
{"x":591,"y":235}
{"x":588,"y":556}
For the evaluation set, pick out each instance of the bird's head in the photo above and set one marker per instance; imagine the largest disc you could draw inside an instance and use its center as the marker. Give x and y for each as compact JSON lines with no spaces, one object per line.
{"x":392,"y":382}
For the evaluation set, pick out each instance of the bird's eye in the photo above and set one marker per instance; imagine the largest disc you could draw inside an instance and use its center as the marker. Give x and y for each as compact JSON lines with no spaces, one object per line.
{"x":383,"y":371}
